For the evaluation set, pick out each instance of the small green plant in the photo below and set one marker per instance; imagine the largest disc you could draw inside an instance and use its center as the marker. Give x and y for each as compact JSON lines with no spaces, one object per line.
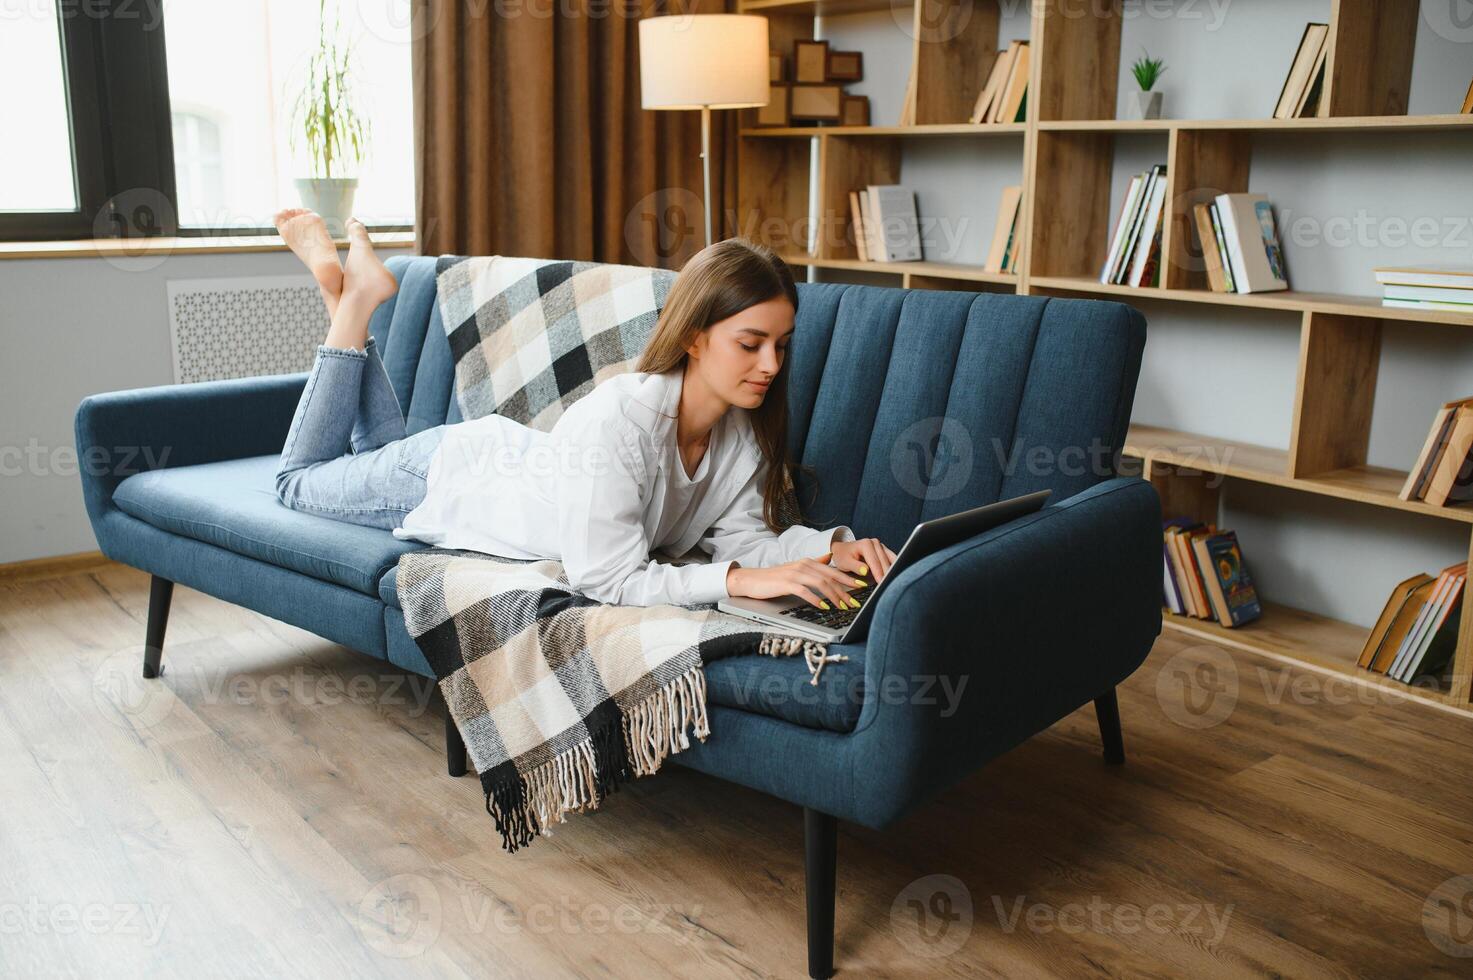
{"x":1147,"y":70}
{"x":324,"y":113}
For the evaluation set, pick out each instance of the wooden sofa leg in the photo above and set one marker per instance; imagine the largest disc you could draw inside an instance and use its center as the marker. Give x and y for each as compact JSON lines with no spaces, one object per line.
{"x":454,"y":747}
{"x":820,"y":842}
{"x":160,"y":594}
{"x":1107,"y":713}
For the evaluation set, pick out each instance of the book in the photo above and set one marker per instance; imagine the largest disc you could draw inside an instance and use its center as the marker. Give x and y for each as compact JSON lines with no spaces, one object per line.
{"x":1405,"y":619}
{"x":856,"y":218}
{"x":1448,"y":278}
{"x":1009,"y":105}
{"x":1428,"y":304}
{"x":1000,"y":255}
{"x":1436,"y":294}
{"x":1227,"y":269}
{"x":1439,"y":634}
{"x":1393,"y":606}
{"x":1143,"y":264}
{"x":1415,"y":486}
{"x":987,"y":98}
{"x":1468,"y":100}
{"x":1168,"y":581}
{"x":1452,"y":474}
{"x":1313,"y":102}
{"x":1133,"y":239}
{"x":897,"y":236}
{"x":1128,"y":205}
{"x":1257,"y":259}
{"x":1420,"y":633}
{"x":1300,"y":77}
{"x":1221,"y":561}
{"x":1211,"y":257}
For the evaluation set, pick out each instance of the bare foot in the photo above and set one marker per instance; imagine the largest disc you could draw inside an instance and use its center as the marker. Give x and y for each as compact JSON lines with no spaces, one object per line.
{"x":306,"y":233}
{"x":365,"y":275}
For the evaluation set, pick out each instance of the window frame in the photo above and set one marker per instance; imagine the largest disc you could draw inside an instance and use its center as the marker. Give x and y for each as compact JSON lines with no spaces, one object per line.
{"x":122,"y":138}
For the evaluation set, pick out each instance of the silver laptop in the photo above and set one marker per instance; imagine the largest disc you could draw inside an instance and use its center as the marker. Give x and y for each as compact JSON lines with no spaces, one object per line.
{"x":794,"y":613}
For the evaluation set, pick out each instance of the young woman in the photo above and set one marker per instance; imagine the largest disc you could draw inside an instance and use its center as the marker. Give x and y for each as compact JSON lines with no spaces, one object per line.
{"x":688,"y":449}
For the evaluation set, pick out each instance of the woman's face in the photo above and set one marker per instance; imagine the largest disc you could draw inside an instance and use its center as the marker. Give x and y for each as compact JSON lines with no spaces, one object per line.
{"x":739,"y":356}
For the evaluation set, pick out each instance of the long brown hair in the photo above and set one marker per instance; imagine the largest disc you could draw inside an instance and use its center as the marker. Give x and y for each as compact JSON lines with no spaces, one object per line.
{"x":719,"y":281}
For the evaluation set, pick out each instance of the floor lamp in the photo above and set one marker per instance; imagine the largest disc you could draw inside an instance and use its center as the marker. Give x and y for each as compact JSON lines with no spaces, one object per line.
{"x":705,"y":62}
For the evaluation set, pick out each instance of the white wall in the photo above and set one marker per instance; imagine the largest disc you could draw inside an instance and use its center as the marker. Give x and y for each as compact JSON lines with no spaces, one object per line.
{"x":1347,"y":201}
{"x":70,"y":328}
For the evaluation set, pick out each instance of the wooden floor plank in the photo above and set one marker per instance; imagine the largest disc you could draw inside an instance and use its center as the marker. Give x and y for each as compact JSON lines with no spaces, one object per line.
{"x":281,"y":803}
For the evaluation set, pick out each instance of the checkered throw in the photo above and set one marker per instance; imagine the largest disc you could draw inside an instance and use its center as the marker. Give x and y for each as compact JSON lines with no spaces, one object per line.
{"x":529,"y":337}
{"x":559,"y":697}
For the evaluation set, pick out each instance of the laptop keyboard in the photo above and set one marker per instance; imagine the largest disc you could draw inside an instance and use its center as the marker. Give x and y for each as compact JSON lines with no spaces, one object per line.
{"x":833,"y":618}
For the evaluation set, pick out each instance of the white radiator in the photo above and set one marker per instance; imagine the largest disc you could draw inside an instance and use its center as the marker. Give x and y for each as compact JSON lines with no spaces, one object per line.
{"x":244,"y":326}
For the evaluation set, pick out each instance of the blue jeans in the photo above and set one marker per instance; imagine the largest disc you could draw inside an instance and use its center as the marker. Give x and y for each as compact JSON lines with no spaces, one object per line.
{"x":347,"y":455}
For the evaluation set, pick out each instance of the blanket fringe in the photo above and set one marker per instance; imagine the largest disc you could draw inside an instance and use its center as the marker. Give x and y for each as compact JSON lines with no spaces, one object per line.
{"x":815,"y":654}
{"x":578,"y":779}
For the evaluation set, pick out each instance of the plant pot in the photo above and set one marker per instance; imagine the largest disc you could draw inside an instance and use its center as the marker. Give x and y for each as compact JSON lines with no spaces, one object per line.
{"x":1146,"y":105}
{"x":331,"y":197}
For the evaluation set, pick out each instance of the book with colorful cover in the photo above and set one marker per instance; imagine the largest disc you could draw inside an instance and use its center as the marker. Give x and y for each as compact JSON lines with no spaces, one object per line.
{"x":1233,"y":578}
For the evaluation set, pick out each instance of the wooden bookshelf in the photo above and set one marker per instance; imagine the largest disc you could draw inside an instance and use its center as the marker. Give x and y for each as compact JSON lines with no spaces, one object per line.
{"x":1067,"y":147}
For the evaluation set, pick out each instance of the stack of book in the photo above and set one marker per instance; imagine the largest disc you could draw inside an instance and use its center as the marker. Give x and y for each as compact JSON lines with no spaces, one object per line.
{"x":1418,"y":629}
{"x":1444,"y":473}
{"x":1204,"y":575}
{"x":1003,"y":255}
{"x":1135,"y":245}
{"x":886,"y":228}
{"x":1004,"y":98}
{"x":1427,"y":289}
{"x":1240,"y":244}
{"x":1300,"y":96}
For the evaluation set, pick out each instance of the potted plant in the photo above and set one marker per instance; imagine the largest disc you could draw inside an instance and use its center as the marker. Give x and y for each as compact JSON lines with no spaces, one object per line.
{"x":1146,"y":71}
{"x":326,"y":117}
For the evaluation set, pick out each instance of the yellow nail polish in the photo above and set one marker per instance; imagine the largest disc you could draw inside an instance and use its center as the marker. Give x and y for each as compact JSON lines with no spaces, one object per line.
{"x":864,"y":569}
{"x":859,"y":582}
{"x":823,"y":605}
{"x":854,"y":603}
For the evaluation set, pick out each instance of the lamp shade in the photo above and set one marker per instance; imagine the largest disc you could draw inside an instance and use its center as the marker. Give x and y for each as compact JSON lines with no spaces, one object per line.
{"x":687,"y":61}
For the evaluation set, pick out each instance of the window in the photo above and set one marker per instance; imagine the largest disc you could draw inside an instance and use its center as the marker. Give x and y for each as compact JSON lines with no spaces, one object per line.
{"x":145,"y":118}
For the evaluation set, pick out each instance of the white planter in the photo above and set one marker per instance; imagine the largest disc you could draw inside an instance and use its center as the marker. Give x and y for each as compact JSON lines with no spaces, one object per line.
{"x":1146,"y":105}
{"x":331,"y":197}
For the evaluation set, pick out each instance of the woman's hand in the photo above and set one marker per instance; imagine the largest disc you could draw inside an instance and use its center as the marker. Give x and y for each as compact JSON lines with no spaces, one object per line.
{"x":862,"y":555}
{"x":813,"y":579}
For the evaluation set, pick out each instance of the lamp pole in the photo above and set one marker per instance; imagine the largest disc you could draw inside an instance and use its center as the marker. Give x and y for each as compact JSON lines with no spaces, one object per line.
{"x":706,"y":166}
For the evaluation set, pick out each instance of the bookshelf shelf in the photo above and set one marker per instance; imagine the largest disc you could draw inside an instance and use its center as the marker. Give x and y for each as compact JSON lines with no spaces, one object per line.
{"x":1337,"y":304}
{"x":1303,"y":639}
{"x":1342,"y":124}
{"x":940,"y":270}
{"x":1068,"y":151}
{"x":1373,"y":485}
{"x":928,"y":129}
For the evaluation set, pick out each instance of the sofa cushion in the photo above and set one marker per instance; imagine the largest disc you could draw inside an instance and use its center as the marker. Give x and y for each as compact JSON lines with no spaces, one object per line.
{"x":233,"y":504}
{"x":774,"y":686}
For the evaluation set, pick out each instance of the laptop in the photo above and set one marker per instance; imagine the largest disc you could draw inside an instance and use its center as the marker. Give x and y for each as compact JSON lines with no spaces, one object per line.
{"x":796,"y":614}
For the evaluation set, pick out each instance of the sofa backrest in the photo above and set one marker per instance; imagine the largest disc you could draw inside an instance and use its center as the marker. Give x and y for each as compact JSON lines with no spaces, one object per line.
{"x":907,"y":404}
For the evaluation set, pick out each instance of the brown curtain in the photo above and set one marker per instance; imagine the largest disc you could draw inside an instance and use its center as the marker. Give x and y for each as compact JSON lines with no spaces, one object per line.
{"x":530,"y":139}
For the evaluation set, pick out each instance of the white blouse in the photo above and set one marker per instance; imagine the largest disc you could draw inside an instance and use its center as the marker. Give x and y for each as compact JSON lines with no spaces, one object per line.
{"x":604,"y":488}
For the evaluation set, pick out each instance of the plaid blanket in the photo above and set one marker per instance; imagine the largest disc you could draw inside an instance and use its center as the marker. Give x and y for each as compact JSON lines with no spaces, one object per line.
{"x":559,"y":697}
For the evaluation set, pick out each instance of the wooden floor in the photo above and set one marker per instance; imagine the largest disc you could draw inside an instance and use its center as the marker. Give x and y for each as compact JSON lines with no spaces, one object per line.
{"x":277,"y":805}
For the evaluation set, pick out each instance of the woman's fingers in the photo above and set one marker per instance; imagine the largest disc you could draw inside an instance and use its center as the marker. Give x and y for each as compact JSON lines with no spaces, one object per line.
{"x":832,"y":583}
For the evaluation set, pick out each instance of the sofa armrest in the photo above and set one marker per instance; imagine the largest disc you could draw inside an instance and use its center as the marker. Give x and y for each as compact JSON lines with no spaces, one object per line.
{"x":989,"y":641}
{"x":120,"y":433}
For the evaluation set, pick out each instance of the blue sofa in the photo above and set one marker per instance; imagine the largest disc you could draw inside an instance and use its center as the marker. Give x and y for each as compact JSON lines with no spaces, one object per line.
{"x":971,"y":651}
